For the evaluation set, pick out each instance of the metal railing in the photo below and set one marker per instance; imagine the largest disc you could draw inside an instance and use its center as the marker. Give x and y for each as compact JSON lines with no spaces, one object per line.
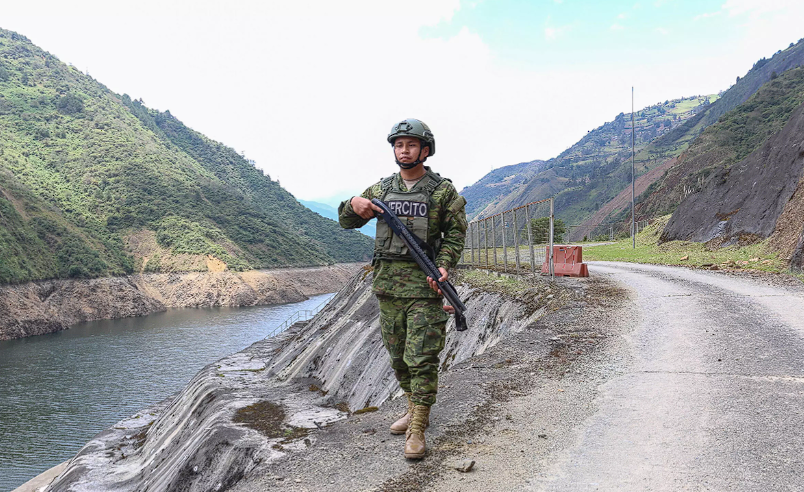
{"x":302,"y":315}
{"x":519,"y":239}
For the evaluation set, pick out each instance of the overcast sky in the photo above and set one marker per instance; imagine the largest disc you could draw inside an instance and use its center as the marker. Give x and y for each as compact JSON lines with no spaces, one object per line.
{"x":310,"y":89}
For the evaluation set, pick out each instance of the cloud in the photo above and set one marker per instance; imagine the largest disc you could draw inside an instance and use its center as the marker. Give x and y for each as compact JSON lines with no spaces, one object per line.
{"x":768,"y":24}
{"x":757,"y":7}
{"x":662,"y":30}
{"x":552,"y":33}
{"x":616,"y":27}
{"x":706,"y":15}
{"x":622,"y":16}
{"x":310,"y":89}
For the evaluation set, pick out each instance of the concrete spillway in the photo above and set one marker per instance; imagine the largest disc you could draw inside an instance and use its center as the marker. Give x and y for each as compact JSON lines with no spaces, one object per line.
{"x":242,"y":412}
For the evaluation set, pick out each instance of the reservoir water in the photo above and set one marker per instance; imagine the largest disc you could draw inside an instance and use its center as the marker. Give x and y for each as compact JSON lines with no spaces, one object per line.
{"x":57,"y":391}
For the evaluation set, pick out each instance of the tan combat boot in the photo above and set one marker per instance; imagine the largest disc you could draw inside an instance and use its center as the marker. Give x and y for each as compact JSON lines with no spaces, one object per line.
{"x":414,"y":440}
{"x":401,"y":425}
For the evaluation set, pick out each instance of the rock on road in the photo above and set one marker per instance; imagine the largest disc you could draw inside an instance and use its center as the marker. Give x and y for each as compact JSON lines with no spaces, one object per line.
{"x":711,"y":395}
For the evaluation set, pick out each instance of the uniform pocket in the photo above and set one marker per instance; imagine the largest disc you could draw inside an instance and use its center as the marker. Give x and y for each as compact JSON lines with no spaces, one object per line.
{"x":434,"y":321}
{"x":433,"y":341}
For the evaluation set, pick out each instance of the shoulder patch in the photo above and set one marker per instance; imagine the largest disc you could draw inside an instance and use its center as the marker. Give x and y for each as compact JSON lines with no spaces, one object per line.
{"x":457,"y":205}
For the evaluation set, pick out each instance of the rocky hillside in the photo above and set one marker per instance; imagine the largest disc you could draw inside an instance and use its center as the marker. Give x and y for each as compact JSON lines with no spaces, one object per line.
{"x":597,"y":169}
{"x":681,"y":139}
{"x":740,"y":181}
{"x":501,"y":183}
{"x":585,"y":176}
{"x":94,"y":184}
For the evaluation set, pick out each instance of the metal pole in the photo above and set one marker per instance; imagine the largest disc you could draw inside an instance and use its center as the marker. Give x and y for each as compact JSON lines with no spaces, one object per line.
{"x":471,"y":246}
{"x":477,"y":242}
{"x":505,"y":248}
{"x":516,"y":242}
{"x":486,"y":239}
{"x":633,"y":130}
{"x":494,"y":240}
{"x":530,"y":241}
{"x":552,"y":217}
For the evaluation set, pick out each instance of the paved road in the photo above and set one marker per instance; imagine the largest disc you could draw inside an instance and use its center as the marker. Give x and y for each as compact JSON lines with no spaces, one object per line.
{"x":712,"y":395}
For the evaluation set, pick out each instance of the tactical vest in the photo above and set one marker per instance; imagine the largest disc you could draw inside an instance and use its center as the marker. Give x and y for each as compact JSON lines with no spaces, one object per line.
{"x":413,"y":209}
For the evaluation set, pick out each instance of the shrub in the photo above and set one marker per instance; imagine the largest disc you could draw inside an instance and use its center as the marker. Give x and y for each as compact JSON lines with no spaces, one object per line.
{"x":70,"y":104}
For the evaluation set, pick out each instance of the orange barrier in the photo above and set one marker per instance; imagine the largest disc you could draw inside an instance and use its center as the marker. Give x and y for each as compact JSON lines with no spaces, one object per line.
{"x":567,"y":261}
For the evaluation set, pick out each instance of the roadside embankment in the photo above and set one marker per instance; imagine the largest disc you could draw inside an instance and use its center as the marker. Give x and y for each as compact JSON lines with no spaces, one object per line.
{"x":241,"y":415}
{"x":36,"y":308}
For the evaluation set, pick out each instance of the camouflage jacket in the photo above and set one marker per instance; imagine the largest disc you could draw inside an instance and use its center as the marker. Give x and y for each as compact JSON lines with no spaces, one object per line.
{"x":447,"y":221}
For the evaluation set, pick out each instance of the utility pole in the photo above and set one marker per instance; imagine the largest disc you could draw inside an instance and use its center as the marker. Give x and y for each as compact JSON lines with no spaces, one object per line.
{"x":633,"y":212}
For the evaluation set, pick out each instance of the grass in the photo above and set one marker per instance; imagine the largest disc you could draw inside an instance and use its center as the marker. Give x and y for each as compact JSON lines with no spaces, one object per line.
{"x":753,"y":257}
{"x":507,"y":284}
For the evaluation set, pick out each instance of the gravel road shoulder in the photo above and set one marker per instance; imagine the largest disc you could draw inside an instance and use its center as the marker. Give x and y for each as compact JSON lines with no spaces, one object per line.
{"x":508,"y":410}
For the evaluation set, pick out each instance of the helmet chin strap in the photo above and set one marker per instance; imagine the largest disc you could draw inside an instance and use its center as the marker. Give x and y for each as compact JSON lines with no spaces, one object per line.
{"x":412,"y":164}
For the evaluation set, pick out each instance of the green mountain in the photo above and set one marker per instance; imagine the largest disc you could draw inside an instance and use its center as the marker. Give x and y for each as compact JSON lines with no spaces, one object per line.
{"x":591,"y":173}
{"x":737,"y":178}
{"x":498,"y":184}
{"x":587,"y":174}
{"x":93,"y":184}
{"x":680,"y":178}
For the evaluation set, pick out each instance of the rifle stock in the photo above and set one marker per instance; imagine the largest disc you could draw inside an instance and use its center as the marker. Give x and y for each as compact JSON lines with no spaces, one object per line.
{"x":414,"y":244}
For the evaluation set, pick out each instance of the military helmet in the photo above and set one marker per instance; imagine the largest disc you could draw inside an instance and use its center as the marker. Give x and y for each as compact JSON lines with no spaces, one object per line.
{"x":412,"y":127}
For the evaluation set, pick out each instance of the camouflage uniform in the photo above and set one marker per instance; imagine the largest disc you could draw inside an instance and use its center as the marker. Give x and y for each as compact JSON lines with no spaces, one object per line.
{"x":411,"y":316}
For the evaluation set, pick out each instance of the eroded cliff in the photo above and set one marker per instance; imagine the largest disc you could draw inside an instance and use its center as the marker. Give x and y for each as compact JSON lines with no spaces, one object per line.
{"x":36,"y":308}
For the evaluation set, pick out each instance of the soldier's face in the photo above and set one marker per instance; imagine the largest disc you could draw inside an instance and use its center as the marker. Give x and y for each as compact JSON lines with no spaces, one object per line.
{"x":407,"y":150}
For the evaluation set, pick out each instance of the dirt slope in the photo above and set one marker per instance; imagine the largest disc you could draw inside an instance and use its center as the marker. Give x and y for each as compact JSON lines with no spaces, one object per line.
{"x":742,"y":202}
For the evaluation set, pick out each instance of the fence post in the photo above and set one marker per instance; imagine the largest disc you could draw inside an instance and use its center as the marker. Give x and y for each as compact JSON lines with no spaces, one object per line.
{"x":471,"y":246}
{"x":477,"y":241}
{"x":494,"y":241}
{"x":505,"y":247}
{"x":530,"y":240}
{"x":486,"y":239}
{"x":516,"y":242}
{"x":552,"y":270}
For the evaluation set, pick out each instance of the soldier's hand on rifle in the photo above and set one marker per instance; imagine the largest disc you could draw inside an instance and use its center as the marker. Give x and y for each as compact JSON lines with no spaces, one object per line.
{"x":364,"y":208}
{"x":434,"y":284}
{"x":449,"y":309}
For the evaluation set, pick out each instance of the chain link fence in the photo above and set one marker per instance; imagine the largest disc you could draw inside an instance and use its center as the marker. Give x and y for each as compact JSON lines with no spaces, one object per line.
{"x":607,"y":231}
{"x":517,"y":240}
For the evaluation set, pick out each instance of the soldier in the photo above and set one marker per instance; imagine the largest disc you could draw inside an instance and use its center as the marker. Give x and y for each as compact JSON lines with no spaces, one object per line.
{"x":412,"y":315}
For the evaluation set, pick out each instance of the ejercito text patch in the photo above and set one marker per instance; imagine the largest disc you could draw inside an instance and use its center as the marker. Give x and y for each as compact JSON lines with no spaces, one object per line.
{"x":404,"y":208}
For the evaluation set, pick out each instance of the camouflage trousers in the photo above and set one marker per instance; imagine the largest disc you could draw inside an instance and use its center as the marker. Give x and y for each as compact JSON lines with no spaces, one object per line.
{"x":413,"y":332}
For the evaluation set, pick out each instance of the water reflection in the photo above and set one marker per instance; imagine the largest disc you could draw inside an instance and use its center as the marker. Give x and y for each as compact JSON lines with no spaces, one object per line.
{"x":58,"y":390}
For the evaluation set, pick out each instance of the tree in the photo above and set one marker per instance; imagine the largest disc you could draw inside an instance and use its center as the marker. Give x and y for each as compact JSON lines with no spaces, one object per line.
{"x":540,"y":230}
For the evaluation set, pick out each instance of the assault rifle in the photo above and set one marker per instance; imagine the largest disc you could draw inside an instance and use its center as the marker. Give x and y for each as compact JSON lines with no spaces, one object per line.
{"x":423,"y":254}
